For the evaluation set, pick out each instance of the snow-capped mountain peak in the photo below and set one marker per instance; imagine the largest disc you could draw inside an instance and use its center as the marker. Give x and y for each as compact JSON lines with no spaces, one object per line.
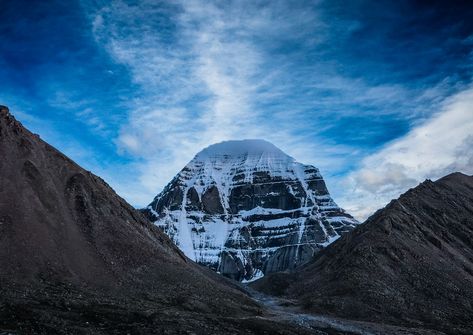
{"x":242,"y":148}
{"x":246,"y":208}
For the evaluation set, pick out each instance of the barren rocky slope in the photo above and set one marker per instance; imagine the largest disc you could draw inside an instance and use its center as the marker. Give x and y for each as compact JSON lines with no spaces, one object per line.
{"x":75,"y":258}
{"x":411,"y":263}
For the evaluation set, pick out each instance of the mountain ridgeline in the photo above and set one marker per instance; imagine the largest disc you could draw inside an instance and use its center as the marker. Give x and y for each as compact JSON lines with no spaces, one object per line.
{"x":245,"y":209}
{"x":75,"y":258}
{"x":410,"y":263}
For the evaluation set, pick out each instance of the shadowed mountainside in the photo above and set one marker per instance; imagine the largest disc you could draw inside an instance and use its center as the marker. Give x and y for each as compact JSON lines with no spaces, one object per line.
{"x":411,"y":263}
{"x":76,"y":258}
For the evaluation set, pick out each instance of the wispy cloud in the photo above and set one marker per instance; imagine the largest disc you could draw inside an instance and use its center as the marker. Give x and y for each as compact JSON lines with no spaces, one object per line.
{"x":442,"y":145}
{"x":133,"y":89}
{"x":207,"y":71}
{"x":201,"y":79}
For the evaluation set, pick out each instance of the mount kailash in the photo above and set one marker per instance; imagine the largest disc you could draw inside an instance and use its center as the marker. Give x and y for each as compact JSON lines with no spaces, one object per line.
{"x":245,"y":209}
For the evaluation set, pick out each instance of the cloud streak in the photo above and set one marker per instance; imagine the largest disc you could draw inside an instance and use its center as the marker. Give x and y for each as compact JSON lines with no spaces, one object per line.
{"x":207,"y":71}
{"x":368,"y":92}
{"x":200,"y":89}
{"x":442,"y":145}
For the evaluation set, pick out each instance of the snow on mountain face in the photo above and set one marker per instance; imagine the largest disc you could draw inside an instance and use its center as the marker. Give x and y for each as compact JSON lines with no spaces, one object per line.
{"x":245,"y":208}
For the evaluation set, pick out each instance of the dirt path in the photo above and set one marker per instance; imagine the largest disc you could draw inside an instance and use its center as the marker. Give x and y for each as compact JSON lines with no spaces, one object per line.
{"x":287,"y":311}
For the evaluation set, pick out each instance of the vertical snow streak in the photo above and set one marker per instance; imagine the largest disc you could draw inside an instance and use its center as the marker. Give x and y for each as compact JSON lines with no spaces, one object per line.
{"x":249,"y":235}
{"x":184,"y":235}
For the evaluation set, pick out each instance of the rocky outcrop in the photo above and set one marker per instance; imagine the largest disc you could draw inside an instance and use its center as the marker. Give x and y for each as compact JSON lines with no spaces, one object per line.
{"x":245,"y":208}
{"x":410,"y":263}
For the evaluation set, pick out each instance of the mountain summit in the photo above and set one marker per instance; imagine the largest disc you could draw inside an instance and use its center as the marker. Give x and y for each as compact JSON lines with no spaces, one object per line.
{"x":245,"y":208}
{"x":250,"y":147}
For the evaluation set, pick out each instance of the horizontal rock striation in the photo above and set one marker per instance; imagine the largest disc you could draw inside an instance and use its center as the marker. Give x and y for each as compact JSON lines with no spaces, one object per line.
{"x":245,"y":208}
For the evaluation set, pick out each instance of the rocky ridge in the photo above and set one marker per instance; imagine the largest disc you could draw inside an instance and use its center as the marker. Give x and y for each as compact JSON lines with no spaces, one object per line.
{"x":410,"y":264}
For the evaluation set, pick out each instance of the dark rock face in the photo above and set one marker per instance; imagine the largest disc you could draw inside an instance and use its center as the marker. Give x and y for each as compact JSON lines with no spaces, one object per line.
{"x":75,"y":258}
{"x":281,"y":259}
{"x":210,"y":201}
{"x":249,"y":210}
{"x":411,"y":263}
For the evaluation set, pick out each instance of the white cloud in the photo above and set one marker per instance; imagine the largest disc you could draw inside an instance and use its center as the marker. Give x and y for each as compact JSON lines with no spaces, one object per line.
{"x":213,"y":56}
{"x":206,"y":72}
{"x":441,"y":145}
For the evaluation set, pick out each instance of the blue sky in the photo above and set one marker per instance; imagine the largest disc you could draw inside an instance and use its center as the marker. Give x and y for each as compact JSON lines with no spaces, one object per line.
{"x":378,"y":95}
